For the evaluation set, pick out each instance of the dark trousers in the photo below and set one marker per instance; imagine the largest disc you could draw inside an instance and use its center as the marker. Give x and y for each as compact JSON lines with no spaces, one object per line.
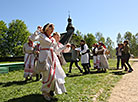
{"x":76,"y":63}
{"x":126,"y":61}
{"x":118,"y":62}
{"x":86,"y":68}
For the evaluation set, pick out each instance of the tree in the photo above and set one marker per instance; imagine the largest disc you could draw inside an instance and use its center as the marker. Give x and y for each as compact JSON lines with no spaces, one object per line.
{"x":110,"y":46}
{"x":119,"y":38}
{"x":99,"y":37}
{"x":3,"y":42}
{"x":76,"y":38}
{"x":128,"y":36}
{"x":90,"y":39}
{"x":17,"y":35}
{"x":136,"y":47}
{"x":132,"y":42}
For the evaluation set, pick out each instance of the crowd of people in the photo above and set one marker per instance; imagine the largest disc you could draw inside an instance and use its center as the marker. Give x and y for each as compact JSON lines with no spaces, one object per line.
{"x":45,"y":59}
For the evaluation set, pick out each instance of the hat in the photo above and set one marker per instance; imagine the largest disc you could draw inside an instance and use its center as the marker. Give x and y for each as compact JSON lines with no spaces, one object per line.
{"x":47,"y":26}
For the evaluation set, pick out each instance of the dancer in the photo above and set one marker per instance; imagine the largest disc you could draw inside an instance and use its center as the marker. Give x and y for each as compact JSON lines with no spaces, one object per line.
{"x":52,"y":73}
{"x":74,"y":58}
{"x":60,"y":48}
{"x":119,"y":55}
{"x":36,"y":54}
{"x":28,"y":49}
{"x":84,"y":57}
{"x":102,"y":60}
{"x":94,"y":51}
{"x":126,"y":56}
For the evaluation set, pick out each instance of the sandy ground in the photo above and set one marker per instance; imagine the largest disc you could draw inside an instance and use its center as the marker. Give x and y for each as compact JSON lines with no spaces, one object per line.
{"x":126,"y":89}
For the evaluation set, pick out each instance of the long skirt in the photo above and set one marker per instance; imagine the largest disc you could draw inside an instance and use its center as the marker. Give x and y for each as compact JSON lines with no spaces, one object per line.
{"x":53,"y":78}
{"x":29,"y":64}
{"x":95,"y":61}
{"x":102,"y":61}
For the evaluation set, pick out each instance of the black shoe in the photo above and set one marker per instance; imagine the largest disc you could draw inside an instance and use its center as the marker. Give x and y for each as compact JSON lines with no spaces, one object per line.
{"x":69,"y":72}
{"x":85,"y":72}
{"x":51,"y":93}
{"x":126,"y":69}
{"x":130,"y":70}
{"x":81,"y":71}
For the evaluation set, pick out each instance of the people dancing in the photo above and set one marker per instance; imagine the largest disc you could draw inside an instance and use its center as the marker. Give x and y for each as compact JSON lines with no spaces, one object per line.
{"x":52,"y":73}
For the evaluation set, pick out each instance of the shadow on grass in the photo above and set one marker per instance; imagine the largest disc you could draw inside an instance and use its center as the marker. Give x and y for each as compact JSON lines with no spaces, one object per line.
{"x":31,"y":98}
{"x":74,"y":75}
{"x":118,"y":73}
{"x":78,"y":74}
{"x":15,"y":82}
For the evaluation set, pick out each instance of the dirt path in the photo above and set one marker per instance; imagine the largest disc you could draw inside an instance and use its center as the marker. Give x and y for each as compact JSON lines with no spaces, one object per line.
{"x":126,"y":89}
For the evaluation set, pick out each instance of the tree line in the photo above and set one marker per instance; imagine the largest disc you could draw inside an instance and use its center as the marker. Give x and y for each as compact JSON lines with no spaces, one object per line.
{"x":98,"y":37}
{"x":13,"y":36}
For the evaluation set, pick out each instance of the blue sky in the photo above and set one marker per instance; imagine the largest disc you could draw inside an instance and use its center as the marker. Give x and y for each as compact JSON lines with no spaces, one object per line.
{"x":89,"y":16}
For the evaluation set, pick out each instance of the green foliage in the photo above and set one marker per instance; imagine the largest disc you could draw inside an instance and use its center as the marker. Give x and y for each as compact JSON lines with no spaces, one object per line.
{"x":99,"y":37}
{"x":76,"y":38}
{"x":17,"y":36}
{"x":132,"y":42}
{"x":119,"y":39}
{"x":3,"y":41}
{"x":110,"y":46}
{"x":90,"y":39}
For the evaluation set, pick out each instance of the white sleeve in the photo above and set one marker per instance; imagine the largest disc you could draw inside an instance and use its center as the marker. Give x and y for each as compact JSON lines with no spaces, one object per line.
{"x":35,"y":36}
{"x":85,"y":49}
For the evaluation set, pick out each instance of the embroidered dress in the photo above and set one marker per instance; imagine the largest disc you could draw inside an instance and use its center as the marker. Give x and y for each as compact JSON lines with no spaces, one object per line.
{"x":53,"y":75}
{"x":94,"y":51}
{"x":102,"y":61}
{"x":28,"y":60}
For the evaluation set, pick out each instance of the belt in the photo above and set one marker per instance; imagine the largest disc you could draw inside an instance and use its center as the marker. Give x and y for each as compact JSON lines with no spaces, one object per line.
{"x":45,"y":48}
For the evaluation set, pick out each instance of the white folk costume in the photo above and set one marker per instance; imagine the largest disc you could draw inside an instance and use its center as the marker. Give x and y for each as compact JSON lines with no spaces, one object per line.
{"x":94,"y":51}
{"x":52,"y":73}
{"x":28,"y":60}
{"x":84,"y":55}
{"x":85,"y":58}
{"x":101,"y":57}
{"x":60,"y":50}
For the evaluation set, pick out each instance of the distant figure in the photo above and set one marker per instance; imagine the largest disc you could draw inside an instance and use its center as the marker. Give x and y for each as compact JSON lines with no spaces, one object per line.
{"x":74,"y":58}
{"x":126,"y":56}
{"x":119,"y":56}
{"x":84,"y":57}
{"x":94,"y":52}
{"x":28,"y":49}
{"x":89,"y":58}
{"x":36,"y":54}
{"x":102,"y":59}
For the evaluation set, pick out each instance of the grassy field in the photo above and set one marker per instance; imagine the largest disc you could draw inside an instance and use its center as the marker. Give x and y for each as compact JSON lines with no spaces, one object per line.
{"x":81,"y":88}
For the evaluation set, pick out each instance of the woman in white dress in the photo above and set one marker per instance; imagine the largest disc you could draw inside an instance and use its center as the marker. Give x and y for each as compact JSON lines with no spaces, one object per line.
{"x":28,"y":49}
{"x":48,"y":64}
{"x":102,"y":59}
{"x":60,"y":48}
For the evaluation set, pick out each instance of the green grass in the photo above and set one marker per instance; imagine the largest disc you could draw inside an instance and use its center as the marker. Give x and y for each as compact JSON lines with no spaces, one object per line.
{"x":80,"y":88}
{"x":9,"y":62}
